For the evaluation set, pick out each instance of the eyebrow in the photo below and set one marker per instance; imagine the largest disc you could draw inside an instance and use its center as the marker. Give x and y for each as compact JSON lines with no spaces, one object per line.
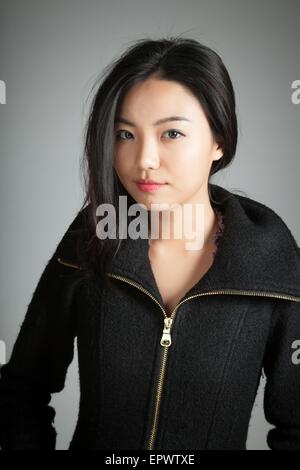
{"x":120,"y":119}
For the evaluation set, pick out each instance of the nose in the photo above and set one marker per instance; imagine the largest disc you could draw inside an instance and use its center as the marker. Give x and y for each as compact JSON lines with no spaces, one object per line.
{"x":148,"y":156}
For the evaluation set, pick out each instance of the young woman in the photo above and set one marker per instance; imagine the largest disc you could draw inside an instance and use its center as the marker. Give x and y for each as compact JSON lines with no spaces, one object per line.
{"x":172,"y":339}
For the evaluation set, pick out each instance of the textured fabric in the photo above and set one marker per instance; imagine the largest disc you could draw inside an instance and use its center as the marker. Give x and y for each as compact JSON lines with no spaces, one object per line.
{"x":240,"y":319}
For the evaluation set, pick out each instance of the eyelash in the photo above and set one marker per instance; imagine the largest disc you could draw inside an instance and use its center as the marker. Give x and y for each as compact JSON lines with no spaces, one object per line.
{"x":169,"y":130}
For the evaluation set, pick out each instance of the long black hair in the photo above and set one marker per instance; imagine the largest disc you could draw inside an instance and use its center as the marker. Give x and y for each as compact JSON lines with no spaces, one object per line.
{"x":183,"y":60}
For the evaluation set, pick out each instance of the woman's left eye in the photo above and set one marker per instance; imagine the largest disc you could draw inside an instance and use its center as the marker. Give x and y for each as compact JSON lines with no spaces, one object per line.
{"x":173,"y":131}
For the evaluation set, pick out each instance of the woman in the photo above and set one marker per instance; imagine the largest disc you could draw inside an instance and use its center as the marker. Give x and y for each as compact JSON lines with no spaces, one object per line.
{"x":172,"y":336}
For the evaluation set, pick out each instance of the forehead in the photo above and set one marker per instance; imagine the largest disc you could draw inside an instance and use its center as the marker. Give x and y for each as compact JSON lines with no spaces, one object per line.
{"x":154,"y":99}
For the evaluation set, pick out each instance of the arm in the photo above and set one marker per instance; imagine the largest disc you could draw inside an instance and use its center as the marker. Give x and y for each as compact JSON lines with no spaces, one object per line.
{"x":282,"y":391}
{"x":40,"y":357}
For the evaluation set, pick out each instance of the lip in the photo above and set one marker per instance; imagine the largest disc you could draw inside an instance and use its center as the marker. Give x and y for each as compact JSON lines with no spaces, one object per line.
{"x":149,"y":182}
{"x":149,"y":186}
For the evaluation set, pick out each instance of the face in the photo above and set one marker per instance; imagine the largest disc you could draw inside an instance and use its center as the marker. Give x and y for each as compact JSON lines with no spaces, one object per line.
{"x":178,"y":153}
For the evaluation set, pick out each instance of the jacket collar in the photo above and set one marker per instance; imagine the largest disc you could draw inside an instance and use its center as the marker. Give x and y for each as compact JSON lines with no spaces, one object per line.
{"x":257,"y":252}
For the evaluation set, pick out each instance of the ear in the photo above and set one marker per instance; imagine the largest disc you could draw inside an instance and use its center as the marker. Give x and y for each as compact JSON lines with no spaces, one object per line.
{"x":218,"y":152}
{"x":218,"y":147}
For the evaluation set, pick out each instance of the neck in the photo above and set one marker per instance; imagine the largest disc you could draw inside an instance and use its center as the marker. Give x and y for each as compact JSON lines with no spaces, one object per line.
{"x":170,"y":231}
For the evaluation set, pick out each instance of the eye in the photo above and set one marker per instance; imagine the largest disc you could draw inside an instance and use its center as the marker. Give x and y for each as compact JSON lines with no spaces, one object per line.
{"x":118,"y":134}
{"x":174,"y":131}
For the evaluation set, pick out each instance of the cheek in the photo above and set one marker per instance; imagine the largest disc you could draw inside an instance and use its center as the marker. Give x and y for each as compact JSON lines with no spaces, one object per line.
{"x":121,"y":164}
{"x":189,"y":165}
{"x":188,"y":173}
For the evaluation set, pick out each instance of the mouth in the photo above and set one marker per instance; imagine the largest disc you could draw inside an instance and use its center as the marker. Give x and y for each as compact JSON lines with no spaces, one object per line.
{"x":149,"y":186}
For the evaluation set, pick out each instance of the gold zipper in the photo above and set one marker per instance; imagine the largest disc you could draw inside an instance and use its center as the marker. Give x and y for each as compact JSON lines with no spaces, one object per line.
{"x":166,"y":340}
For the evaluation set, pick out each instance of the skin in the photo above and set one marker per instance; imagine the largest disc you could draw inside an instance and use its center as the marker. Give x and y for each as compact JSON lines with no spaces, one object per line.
{"x":159,"y":153}
{"x":182,"y":159}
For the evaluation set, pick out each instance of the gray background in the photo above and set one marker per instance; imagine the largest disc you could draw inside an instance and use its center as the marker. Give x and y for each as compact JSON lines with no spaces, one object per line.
{"x":51,"y":52}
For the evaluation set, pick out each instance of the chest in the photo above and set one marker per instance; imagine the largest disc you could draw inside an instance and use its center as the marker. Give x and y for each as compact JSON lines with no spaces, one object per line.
{"x":176,"y":274}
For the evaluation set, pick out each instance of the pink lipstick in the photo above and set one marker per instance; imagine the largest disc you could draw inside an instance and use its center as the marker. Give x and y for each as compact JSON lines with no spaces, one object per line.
{"x":149,"y":185}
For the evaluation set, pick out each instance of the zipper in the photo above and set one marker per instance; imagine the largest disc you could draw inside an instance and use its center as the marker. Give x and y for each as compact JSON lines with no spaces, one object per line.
{"x":166,"y":340}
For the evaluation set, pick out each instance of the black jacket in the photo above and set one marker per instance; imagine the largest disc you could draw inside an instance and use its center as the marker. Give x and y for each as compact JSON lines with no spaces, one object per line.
{"x":136,"y":392}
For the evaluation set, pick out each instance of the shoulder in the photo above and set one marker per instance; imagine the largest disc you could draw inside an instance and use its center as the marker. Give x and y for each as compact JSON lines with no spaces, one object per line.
{"x":261,"y":219}
{"x":70,"y":248}
{"x":269,"y":220}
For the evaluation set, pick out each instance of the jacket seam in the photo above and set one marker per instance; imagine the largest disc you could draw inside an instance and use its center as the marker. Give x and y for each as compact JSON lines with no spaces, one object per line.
{"x":272,"y":327}
{"x":225,"y":373}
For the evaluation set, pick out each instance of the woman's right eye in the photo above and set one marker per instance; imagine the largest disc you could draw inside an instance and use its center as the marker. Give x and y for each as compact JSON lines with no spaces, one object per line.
{"x":118,"y":135}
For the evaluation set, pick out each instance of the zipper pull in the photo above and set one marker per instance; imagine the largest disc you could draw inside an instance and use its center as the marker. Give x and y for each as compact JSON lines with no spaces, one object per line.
{"x":166,"y":336}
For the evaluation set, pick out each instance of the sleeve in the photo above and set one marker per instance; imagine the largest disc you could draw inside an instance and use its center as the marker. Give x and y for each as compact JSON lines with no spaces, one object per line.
{"x":39,"y":360}
{"x":282,"y":371}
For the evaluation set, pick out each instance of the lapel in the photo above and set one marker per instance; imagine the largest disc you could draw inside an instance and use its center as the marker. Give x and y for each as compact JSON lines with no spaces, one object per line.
{"x":257,"y":253}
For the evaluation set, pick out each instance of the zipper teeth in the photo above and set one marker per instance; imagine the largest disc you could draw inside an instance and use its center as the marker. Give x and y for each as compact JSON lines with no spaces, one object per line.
{"x":213,"y":292}
{"x":71,"y":265}
{"x":161,"y":376}
{"x":135,"y":284}
{"x":249,"y":292}
{"x":218,"y":291}
{"x":160,"y":383}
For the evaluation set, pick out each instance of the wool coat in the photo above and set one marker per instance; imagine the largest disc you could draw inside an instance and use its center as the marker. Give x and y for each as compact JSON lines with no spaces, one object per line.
{"x":153,"y":381}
